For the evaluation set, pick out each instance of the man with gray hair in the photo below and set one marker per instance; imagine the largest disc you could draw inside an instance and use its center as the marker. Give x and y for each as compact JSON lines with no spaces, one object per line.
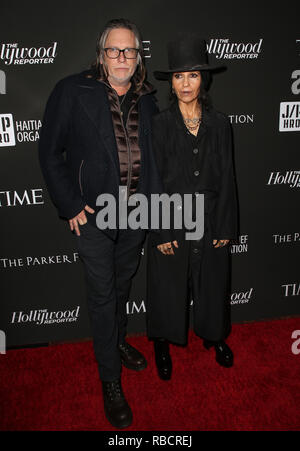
{"x":101,"y":120}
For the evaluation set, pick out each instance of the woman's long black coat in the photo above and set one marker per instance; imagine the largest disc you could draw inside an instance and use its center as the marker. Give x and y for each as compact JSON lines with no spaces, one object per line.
{"x":208,"y":170}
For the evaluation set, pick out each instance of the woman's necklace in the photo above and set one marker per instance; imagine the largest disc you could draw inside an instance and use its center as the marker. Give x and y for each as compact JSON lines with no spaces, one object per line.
{"x":193,"y":123}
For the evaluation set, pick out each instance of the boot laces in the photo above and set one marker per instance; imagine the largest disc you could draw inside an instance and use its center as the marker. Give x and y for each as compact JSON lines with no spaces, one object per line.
{"x":114,"y":390}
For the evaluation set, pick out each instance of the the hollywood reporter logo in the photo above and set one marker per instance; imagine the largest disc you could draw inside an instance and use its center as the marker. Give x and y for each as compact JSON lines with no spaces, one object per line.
{"x":42,"y":316}
{"x":225,"y":49}
{"x":12,"y":54}
{"x":290,"y":178}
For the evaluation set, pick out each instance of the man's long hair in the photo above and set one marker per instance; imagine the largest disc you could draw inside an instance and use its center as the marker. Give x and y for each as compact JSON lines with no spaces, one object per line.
{"x":100,"y":71}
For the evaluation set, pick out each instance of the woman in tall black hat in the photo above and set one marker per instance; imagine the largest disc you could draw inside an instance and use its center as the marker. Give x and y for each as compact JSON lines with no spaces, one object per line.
{"x":193,"y":148}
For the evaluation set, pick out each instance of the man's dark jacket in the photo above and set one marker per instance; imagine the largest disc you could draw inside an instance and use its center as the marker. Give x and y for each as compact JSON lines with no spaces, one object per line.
{"x":78,"y":152}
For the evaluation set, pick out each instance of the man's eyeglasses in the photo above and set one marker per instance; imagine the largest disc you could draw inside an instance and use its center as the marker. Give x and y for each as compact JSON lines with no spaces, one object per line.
{"x":129,"y":53}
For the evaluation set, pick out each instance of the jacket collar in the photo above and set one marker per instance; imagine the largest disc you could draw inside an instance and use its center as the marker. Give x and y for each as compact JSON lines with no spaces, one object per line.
{"x":96,"y":105}
{"x":90,"y":78}
{"x":146,"y":88}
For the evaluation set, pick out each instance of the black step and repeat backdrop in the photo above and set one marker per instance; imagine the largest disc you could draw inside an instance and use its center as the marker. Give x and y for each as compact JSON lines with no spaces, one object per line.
{"x":42,"y":282}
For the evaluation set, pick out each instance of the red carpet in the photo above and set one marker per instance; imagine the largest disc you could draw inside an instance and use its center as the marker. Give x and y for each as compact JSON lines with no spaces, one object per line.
{"x":57,"y":387}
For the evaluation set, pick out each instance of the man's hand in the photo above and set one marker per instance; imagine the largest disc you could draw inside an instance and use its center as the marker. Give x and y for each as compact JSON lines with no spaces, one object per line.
{"x":166,"y":248}
{"x":79,"y":219}
{"x":221,"y":243}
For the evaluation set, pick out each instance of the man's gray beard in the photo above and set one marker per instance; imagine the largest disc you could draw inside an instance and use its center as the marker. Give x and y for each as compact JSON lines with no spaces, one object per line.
{"x":119,"y":81}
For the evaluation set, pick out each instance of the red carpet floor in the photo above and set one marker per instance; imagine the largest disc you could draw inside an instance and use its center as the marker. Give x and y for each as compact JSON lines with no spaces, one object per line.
{"x":57,"y":387}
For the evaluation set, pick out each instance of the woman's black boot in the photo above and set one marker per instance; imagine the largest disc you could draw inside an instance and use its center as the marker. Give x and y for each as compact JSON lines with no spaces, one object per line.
{"x":224,"y":355}
{"x":162,"y":358}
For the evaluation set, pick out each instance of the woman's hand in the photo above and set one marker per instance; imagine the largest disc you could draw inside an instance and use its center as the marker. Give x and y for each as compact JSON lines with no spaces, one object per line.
{"x":166,"y":248}
{"x":220,"y":243}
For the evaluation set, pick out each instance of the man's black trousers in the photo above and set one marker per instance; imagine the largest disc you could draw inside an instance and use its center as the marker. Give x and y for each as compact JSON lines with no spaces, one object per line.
{"x":109,"y":268}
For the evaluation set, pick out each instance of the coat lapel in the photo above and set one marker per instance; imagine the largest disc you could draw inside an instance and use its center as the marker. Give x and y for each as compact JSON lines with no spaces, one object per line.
{"x":96,"y":105}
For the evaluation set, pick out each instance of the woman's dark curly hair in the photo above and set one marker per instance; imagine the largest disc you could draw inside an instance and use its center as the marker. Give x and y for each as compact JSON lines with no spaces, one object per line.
{"x":203,"y":98}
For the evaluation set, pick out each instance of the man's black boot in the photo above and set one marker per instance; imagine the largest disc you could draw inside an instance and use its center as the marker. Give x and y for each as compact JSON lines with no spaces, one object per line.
{"x":131,"y":358}
{"x":116,"y":407}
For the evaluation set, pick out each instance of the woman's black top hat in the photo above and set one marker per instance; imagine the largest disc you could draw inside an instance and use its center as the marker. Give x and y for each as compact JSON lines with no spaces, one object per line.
{"x":186,"y":53}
